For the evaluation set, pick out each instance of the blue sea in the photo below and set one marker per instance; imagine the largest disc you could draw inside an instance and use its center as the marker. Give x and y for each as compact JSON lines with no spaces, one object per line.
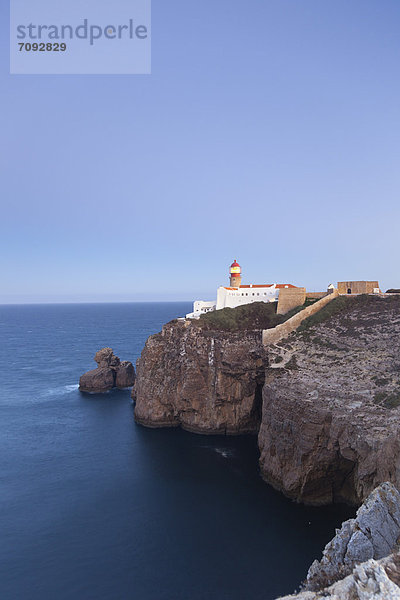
{"x":94,"y":506}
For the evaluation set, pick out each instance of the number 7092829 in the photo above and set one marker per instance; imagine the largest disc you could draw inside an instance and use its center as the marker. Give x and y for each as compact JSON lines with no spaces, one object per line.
{"x":42,"y":47}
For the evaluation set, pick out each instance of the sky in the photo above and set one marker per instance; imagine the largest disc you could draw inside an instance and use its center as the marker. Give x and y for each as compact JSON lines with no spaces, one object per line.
{"x":268,"y":131}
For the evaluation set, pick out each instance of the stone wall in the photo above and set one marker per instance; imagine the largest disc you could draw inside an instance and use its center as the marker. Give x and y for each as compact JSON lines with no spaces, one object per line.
{"x":357,"y":287}
{"x":272,"y":336}
{"x":317,"y":295}
{"x":290,"y":298}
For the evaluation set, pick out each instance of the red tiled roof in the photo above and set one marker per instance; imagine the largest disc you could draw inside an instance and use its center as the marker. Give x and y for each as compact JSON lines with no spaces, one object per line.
{"x":257,"y":285}
{"x":263,"y":285}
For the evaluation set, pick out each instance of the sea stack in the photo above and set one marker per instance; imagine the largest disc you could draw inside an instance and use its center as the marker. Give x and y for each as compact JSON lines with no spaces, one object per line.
{"x":110,"y":373}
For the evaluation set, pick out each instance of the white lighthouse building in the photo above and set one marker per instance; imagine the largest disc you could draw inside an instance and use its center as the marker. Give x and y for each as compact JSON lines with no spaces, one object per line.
{"x":237,"y":294}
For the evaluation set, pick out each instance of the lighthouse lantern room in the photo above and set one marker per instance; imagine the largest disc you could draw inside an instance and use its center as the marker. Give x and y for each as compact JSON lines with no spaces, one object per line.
{"x":235,"y":273}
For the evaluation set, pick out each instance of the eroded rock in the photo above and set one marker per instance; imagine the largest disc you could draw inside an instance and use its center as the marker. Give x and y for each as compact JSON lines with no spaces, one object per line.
{"x":362,"y":561}
{"x":110,"y":373}
{"x":371,"y":580}
{"x":374,"y":533}
{"x":125,"y":375}
{"x":98,"y":380}
{"x":106,"y":358}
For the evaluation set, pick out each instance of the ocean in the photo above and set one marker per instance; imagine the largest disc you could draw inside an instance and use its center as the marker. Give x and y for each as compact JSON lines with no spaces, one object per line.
{"x":93,"y":506}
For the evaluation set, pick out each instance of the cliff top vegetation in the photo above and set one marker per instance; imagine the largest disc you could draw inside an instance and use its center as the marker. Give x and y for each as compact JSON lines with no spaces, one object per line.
{"x":262,"y":315}
{"x":249,"y":317}
{"x":343,"y":305}
{"x":255,"y":316}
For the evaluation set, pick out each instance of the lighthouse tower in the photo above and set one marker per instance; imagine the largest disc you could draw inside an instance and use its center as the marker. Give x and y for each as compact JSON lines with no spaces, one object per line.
{"x":235,"y":273}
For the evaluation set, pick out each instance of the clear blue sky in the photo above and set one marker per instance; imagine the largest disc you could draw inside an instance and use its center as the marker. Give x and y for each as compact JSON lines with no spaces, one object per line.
{"x":269,"y":131}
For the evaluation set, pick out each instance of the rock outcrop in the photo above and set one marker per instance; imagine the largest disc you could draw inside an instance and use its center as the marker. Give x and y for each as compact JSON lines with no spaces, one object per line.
{"x":372,"y":580}
{"x":351,"y":566}
{"x":110,"y":373}
{"x":374,"y":533}
{"x":330,"y":426}
{"x":204,"y":381}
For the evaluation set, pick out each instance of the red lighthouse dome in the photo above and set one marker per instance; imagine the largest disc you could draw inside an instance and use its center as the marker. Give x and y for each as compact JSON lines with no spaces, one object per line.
{"x":235,"y":267}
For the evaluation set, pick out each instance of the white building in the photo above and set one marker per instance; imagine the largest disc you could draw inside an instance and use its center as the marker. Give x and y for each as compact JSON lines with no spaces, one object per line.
{"x":237,"y":294}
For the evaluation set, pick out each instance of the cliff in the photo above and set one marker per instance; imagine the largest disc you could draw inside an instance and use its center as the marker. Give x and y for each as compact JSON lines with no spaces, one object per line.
{"x":373,"y":533}
{"x":330,"y":426}
{"x":325,"y":400}
{"x":362,"y":560}
{"x":371,"y":580}
{"x":206,"y":381}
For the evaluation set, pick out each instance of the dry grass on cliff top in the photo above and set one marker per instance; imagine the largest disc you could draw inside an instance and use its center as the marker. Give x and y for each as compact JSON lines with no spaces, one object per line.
{"x":343,"y":305}
{"x":262,"y":315}
{"x":250,"y":317}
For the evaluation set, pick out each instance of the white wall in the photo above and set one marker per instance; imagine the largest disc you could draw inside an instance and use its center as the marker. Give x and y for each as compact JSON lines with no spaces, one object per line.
{"x":200,"y":308}
{"x":233,"y":298}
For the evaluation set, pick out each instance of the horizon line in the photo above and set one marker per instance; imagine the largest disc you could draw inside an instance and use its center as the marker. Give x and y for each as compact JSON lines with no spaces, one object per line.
{"x":95,"y":302}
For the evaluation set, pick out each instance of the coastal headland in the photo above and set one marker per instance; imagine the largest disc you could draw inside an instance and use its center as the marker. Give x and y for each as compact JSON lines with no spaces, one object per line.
{"x":324,"y":401}
{"x":320,"y":387}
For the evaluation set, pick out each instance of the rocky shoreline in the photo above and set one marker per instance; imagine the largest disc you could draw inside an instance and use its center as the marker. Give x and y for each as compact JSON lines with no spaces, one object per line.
{"x":371,"y":580}
{"x":362,"y":560}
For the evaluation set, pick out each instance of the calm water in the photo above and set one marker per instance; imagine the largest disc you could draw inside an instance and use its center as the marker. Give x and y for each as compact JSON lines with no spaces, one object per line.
{"x":96,"y":507}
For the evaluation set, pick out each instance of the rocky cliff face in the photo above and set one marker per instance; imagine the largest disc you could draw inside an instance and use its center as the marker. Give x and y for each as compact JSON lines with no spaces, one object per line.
{"x":362,"y":560}
{"x":373,"y":533}
{"x":330,"y":426}
{"x":372,"y":580}
{"x":204,"y":381}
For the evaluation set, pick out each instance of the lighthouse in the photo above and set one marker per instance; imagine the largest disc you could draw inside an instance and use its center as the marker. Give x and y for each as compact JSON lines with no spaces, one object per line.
{"x":235,"y":273}
{"x":239,"y":295}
